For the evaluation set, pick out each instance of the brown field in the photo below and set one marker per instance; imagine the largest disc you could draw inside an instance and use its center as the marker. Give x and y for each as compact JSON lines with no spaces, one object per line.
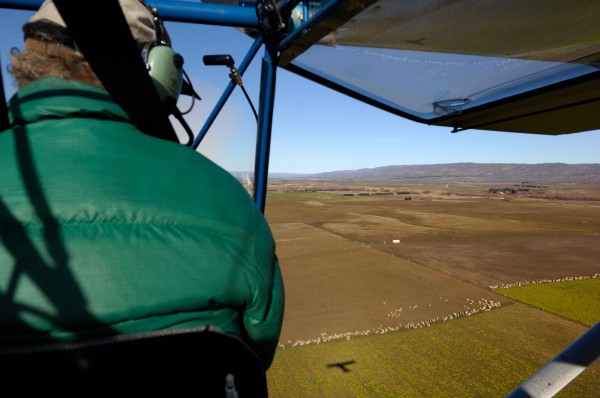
{"x":335,"y":286}
{"x":345,"y":279}
{"x":482,"y":241}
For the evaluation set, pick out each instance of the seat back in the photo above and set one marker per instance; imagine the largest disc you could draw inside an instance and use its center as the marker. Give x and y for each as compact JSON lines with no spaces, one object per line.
{"x":201,"y":361}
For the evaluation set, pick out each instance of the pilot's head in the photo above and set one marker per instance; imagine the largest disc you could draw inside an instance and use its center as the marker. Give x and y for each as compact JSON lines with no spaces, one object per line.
{"x":50,"y":50}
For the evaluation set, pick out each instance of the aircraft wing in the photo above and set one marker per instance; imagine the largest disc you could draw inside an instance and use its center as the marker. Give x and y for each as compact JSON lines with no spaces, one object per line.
{"x":505,"y":65}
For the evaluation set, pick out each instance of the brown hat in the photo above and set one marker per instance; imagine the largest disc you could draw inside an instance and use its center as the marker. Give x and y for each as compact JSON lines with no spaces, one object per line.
{"x":138,"y":16}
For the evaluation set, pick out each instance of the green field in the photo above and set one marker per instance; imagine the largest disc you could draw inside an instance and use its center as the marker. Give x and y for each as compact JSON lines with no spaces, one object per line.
{"x":306,"y":196}
{"x":486,"y":355}
{"x":578,"y":300}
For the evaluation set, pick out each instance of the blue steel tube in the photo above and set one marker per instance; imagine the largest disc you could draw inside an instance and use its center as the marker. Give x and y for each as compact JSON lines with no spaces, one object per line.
{"x":228,"y":90}
{"x":178,"y":11}
{"x":21,"y":4}
{"x":265,"y":123}
{"x":206,"y":13}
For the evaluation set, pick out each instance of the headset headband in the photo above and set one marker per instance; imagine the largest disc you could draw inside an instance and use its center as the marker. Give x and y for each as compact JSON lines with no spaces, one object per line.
{"x":162,"y":36}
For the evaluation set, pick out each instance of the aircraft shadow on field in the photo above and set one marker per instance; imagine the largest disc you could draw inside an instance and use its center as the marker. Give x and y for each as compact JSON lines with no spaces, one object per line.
{"x":342,"y":365}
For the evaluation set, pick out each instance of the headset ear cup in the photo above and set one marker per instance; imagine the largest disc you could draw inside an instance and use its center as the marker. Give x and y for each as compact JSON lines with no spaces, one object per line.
{"x":165,"y":68}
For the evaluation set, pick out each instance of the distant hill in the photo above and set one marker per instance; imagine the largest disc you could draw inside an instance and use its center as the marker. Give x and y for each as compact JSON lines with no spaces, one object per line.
{"x":289,"y":175}
{"x":510,"y":172}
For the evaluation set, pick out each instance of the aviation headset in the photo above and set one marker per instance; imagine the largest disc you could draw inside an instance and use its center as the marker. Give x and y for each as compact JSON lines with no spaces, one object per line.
{"x":164,"y":65}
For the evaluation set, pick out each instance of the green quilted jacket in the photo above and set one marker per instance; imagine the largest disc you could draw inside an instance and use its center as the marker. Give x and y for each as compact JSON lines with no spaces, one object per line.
{"x":105,"y":230}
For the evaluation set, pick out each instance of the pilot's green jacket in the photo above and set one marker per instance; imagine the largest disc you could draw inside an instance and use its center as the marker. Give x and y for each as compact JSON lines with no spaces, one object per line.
{"x":106,"y":230}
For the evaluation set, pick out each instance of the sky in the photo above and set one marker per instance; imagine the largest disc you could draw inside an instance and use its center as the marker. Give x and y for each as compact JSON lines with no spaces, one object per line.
{"x":316,"y":129}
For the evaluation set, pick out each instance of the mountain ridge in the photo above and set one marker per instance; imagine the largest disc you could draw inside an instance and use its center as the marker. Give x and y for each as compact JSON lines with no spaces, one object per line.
{"x":514,"y":172}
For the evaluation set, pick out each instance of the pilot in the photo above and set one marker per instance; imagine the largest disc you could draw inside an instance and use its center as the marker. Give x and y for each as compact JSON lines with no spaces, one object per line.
{"x":105,"y":230}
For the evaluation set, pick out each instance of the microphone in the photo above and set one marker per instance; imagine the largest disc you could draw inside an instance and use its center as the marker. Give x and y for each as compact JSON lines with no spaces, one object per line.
{"x":227,"y":60}
{"x":223,"y":59}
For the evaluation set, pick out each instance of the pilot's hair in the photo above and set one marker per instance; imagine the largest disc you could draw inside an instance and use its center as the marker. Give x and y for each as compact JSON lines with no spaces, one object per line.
{"x":49,"y":52}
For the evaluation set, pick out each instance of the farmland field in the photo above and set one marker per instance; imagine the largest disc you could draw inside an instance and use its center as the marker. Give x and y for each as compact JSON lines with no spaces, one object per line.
{"x":400,"y":290}
{"x":487,"y":355}
{"x":578,"y":300}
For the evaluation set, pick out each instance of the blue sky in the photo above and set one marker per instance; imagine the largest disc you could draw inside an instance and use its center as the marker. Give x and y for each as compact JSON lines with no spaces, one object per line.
{"x":317,"y":129}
